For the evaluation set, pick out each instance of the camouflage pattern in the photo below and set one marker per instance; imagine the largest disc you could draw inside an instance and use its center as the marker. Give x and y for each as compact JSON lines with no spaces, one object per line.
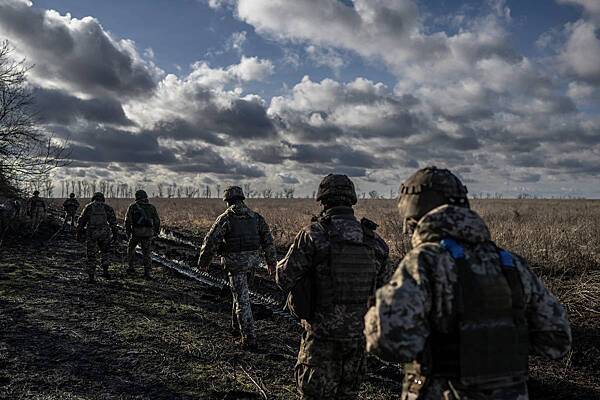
{"x":233,"y":193}
{"x":141,"y":235}
{"x":330,"y":369}
{"x":98,"y":239}
{"x":331,"y":357}
{"x":310,"y":249}
{"x":337,"y":186}
{"x":238,"y":265}
{"x":420,"y":298}
{"x":37,"y":211}
{"x":242,"y":318}
{"x":70,"y":206}
{"x":242,"y":261}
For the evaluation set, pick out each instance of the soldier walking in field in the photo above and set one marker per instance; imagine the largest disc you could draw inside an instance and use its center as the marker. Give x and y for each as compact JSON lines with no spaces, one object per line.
{"x":37,"y":210}
{"x":71,"y":205}
{"x":462,"y":313}
{"x":238,"y":235}
{"x":97,"y":224}
{"x":142,"y":223}
{"x":332,"y":270}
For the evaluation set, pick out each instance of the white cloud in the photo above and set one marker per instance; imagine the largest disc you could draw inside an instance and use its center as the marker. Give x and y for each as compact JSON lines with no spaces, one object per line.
{"x":581,"y":53}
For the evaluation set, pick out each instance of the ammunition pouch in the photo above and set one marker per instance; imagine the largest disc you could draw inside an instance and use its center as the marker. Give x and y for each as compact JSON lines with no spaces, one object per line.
{"x":243,"y":235}
{"x":300,"y":302}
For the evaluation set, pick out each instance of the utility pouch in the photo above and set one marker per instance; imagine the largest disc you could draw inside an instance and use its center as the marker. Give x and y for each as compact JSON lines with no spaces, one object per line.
{"x":300,"y":299}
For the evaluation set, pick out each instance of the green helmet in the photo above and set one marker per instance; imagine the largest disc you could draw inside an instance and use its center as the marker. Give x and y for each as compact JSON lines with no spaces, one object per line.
{"x":233,"y":193}
{"x":429,"y":188}
{"x":98,"y":196}
{"x":72,"y":195}
{"x":335,"y":185}
{"x":36,"y":192}
{"x":141,"y":195}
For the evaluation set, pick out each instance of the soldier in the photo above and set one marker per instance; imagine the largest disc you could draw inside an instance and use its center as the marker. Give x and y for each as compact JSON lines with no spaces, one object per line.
{"x":71,"y":205}
{"x":141,"y":225}
{"x":101,"y":223}
{"x":37,"y":210}
{"x":461,"y":312}
{"x":341,"y":262}
{"x":238,"y":235}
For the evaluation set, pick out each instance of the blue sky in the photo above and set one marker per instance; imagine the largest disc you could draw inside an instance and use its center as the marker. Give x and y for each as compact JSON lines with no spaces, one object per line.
{"x":281,"y":92}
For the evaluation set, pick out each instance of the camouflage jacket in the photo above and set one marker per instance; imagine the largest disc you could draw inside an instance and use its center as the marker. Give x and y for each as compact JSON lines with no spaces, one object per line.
{"x":150,"y":211}
{"x":237,"y":262}
{"x":84,"y":218}
{"x":420,"y":296}
{"x":310,"y":250}
{"x":71,"y":205}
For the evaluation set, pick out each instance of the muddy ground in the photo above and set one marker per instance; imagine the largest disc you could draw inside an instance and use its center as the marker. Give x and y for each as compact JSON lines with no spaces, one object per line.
{"x":169,"y":338}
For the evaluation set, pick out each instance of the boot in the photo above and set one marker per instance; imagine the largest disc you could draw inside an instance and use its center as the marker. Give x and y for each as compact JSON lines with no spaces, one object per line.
{"x":147,"y":274}
{"x":250,"y":344}
{"x":91,"y":278}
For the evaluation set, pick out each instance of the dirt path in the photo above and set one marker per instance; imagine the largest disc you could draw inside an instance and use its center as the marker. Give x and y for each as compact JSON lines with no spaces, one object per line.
{"x":169,"y":338}
{"x":131,"y":339}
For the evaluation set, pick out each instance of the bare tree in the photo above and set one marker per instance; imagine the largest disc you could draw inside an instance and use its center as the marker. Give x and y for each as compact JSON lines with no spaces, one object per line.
{"x":289,"y":192}
{"x":373,"y":194}
{"x":27,"y":152}
{"x":218,"y":190}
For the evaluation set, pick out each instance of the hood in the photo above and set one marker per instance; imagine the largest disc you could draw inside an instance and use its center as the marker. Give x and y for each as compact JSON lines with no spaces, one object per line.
{"x":239,"y":209}
{"x":447,"y":221}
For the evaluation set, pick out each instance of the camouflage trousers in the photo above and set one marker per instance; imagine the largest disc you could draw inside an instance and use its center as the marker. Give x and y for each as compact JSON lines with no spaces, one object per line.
{"x":146,"y":245}
{"x":70,"y":219}
{"x":443,"y":389}
{"x":98,"y":242}
{"x":330,"y":368}
{"x":242,"y":318}
{"x":37,"y":217}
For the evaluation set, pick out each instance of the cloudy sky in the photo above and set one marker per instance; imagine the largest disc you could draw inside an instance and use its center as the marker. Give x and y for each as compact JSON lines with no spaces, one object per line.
{"x":281,"y":92}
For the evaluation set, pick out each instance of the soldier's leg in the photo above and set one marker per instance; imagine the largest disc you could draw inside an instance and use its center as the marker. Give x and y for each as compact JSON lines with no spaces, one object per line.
{"x":146,"y":244}
{"x":104,"y":244}
{"x":133,"y":242}
{"x":92,"y":257}
{"x":243,"y":312}
{"x":354,"y":368}
{"x":318,"y":369}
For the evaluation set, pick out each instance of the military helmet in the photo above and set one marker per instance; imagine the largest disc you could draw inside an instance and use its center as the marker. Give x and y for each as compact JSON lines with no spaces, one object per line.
{"x":336,"y":185}
{"x":99,"y":196}
{"x":141,"y":195}
{"x":233,"y":193}
{"x":429,"y":188}
{"x":72,"y":195}
{"x":36,"y":192}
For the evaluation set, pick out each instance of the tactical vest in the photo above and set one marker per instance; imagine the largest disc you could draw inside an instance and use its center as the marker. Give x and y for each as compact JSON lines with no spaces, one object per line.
{"x":243,"y":234}
{"x":98,"y":216}
{"x":141,"y":217}
{"x":37,"y":203}
{"x":349,"y":276}
{"x":490,"y":340}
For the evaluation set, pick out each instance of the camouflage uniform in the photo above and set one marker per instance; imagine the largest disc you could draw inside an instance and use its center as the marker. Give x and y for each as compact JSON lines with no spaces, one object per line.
{"x":71,"y":205}
{"x":99,"y":222}
{"x":142,"y":223}
{"x":331,"y":361}
{"x":239,"y":265}
{"x":421,"y":299}
{"x":37,"y":211}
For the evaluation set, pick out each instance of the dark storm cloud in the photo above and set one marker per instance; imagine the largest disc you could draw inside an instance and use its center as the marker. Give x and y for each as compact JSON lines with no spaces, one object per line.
{"x":180,"y":129}
{"x":75,"y":53}
{"x":56,"y":106}
{"x":244,"y":119}
{"x":336,"y":154}
{"x":203,"y":159}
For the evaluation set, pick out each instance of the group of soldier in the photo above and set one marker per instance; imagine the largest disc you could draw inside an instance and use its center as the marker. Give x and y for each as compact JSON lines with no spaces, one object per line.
{"x":461,"y":314}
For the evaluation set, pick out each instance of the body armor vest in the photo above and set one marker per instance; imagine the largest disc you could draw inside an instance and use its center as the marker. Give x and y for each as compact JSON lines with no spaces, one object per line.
{"x":98,"y":216}
{"x":490,"y":340}
{"x":349,"y":278}
{"x":243,"y":234}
